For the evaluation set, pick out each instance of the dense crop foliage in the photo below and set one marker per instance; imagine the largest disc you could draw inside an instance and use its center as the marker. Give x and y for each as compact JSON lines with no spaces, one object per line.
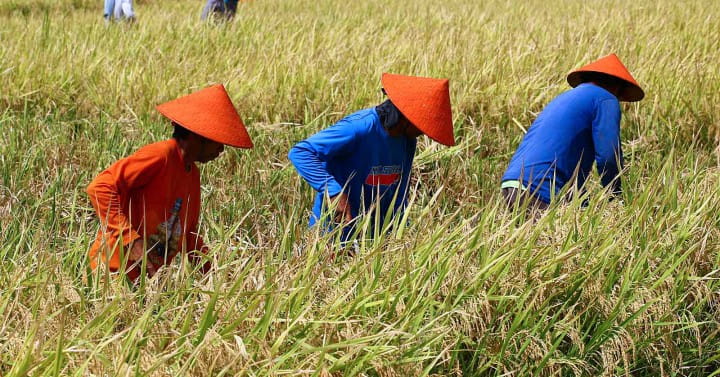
{"x":463,"y":289}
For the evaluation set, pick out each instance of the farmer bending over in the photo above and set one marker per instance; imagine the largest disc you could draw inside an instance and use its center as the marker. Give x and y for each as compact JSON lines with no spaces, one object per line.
{"x":149,"y":203}
{"x":577,"y":128}
{"x":362,"y":163}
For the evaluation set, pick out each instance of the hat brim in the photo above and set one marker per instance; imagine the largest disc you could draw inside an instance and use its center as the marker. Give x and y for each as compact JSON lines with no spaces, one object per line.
{"x":247,"y":143}
{"x":630,"y":93}
{"x":424,"y":102}
{"x":209,"y":113}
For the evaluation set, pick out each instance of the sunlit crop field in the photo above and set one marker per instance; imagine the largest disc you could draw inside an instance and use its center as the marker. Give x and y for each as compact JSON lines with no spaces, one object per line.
{"x":459,"y":288}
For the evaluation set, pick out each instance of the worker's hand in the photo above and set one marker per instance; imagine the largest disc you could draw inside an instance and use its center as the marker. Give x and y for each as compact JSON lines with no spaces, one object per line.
{"x":342,"y":208}
{"x":172,"y":244}
{"x":199,"y":257}
{"x":137,"y":253}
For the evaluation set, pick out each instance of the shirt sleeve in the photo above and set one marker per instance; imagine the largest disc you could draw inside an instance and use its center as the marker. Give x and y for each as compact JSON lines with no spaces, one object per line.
{"x":311,"y":155}
{"x":606,"y":139}
{"x":109,"y":192}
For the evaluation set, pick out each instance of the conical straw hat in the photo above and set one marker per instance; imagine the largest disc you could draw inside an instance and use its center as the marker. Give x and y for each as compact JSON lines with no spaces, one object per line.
{"x":209,"y":113}
{"x":610,"y":65}
{"x":425,"y":102}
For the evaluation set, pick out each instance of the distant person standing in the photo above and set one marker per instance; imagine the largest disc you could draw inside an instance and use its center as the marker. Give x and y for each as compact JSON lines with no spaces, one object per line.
{"x":220,"y":9}
{"x":576,"y":129}
{"x":118,"y":10}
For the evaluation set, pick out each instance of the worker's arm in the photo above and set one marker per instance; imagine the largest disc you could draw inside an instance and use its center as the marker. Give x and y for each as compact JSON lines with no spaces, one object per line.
{"x":606,"y":139}
{"x":311,"y":155}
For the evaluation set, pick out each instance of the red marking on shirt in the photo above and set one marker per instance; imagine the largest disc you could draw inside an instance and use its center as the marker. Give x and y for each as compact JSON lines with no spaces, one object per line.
{"x":382,"y":179}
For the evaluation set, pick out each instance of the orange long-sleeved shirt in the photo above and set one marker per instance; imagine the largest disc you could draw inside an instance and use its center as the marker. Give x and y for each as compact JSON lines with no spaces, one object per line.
{"x":136,"y":194}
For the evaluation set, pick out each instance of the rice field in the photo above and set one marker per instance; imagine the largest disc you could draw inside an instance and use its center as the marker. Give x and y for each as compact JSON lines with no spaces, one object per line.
{"x":462,"y":288}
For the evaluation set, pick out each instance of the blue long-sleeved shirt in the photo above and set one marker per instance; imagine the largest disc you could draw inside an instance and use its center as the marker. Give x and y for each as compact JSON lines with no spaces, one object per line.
{"x":577,"y":128}
{"x":359,"y":155}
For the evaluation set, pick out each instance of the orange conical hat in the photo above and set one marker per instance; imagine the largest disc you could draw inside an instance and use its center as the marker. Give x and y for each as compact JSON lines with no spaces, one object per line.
{"x":425,"y":102}
{"x":209,"y":113}
{"x":610,"y":65}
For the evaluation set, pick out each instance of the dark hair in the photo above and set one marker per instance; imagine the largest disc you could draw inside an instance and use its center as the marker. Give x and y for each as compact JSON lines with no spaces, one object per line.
{"x":180,"y":132}
{"x":602,"y":79}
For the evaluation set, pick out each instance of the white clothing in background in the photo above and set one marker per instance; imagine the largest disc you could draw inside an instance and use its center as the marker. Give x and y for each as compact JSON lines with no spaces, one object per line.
{"x":123,"y":9}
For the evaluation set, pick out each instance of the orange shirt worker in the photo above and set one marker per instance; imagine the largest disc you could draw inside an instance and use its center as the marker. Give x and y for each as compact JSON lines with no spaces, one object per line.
{"x":149,"y":203}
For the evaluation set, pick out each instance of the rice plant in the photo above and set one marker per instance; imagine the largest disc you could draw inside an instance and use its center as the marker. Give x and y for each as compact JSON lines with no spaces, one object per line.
{"x":460,"y":287}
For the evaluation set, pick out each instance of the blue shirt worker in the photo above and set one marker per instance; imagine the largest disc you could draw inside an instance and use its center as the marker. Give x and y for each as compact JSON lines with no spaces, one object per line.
{"x":362,"y":163}
{"x":576,"y":129}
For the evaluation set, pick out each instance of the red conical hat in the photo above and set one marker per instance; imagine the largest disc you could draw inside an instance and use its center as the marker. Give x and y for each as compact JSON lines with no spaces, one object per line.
{"x":610,"y":65}
{"x":209,"y":113}
{"x":425,"y":102}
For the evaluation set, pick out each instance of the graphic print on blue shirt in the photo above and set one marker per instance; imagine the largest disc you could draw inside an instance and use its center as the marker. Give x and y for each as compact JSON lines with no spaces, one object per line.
{"x":383,"y":175}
